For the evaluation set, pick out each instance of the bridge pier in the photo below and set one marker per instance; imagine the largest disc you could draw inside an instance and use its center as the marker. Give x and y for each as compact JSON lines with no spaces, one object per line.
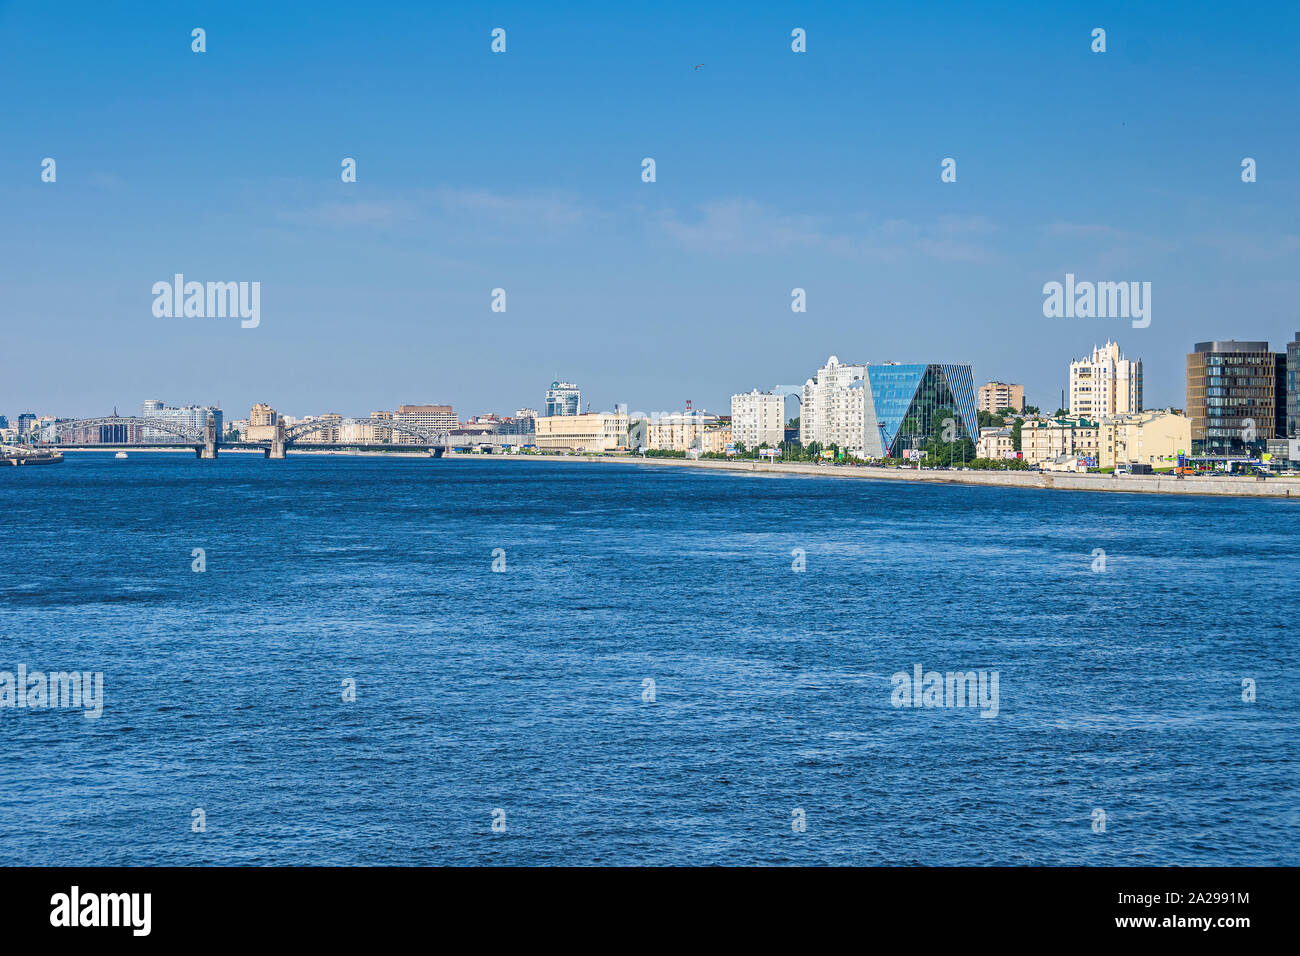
{"x":277,"y":442}
{"x":209,"y":449}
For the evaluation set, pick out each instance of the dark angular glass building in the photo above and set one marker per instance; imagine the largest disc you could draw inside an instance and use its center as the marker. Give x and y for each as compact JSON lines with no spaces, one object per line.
{"x":1293,"y":388}
{"x":901,"y":400}
{"x":1236,"y":397}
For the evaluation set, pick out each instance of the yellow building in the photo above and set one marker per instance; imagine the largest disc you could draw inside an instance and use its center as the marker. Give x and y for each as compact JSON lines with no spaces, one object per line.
{"x":680,"y":431}
{"x":261,"y":423}
{"x":1154,"y":437}
{"x":1046,"y":439}
{"x":996,"y":396}
{"x":592,"y":432}
{"x":715,"y":440}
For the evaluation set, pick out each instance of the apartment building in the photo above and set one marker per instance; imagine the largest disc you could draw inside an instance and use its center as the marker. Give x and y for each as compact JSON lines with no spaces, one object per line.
{"x":995,"y":396}
{"x":1105,"y":383}
{"x":832,"y":408}
{"x":757,"y":417}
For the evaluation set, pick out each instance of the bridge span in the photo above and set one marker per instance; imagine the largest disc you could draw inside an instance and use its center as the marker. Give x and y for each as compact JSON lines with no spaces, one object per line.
{"x":206,"y":442}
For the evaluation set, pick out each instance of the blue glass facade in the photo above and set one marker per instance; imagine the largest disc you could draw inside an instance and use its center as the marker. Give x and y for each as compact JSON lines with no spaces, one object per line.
{"x":906,"y":397}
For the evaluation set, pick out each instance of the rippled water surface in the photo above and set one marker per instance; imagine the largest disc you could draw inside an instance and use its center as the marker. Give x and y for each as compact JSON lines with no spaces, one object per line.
{"x":523,"y":690}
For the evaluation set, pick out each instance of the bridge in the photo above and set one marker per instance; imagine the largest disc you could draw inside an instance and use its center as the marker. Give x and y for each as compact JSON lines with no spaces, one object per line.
{"x":205,"y":441}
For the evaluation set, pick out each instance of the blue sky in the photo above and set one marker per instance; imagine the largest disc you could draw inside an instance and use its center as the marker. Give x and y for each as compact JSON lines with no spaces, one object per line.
{"x":522,"y":170}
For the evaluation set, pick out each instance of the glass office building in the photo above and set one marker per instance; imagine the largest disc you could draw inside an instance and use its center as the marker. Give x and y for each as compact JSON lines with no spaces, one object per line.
{"x":1236,"y":397}
{"x":1293,"y":388}
{"x":902,"y":400}
{"x":563,"y":398}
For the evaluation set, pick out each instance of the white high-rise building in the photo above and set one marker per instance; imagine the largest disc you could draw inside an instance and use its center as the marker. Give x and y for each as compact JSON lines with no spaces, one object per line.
{"x":757,"y":417}
{"x":833,"y":407}
{"x":1105,"y":384}
{"x":192,"y":417}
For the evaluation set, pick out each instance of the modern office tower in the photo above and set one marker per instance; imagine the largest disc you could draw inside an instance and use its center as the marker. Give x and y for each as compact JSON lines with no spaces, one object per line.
{"x":26,"y":422}
{"x":899,"y":402}
{"x":831,"y":409}
{"x":191,"y":417}
{"x":563,"y":398}
{"x":757,"y":417}
{"x":996,"y":396}
{"x":1292,"y":384}
{"x":1236,"y":397}
{"x":881,"y":411}
{"x":1105,"y":383}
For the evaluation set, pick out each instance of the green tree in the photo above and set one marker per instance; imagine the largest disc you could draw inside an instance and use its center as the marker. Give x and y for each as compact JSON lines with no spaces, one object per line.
{"x":942,"y":450}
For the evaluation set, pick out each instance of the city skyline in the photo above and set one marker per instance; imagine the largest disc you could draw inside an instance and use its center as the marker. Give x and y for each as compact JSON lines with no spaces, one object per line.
{"x":380,"y":290}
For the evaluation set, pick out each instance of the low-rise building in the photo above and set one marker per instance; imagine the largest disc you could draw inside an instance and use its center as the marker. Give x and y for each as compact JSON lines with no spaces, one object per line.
{"x":591,"y":431}
{"x":680,"y":431}
{"x":1152,"y":437}
{"x":1044,"y":440}
{"x":716,"y":439}
{"x":995,"y":443}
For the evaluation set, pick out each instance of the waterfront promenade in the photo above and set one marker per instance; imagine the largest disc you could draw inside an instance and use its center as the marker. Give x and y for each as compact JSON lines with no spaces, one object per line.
{"x":1246,"y":487}
{"x":1223,"y":486}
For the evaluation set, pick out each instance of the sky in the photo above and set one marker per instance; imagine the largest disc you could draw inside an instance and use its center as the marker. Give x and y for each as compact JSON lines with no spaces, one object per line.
{"x":522,"y":171}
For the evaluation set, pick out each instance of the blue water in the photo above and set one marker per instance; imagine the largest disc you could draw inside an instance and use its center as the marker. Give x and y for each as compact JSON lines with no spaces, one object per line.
{"x":522,"y":690}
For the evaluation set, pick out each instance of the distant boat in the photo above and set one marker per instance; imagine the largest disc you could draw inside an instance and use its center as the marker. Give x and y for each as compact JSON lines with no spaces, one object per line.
{"x":120,"y":454}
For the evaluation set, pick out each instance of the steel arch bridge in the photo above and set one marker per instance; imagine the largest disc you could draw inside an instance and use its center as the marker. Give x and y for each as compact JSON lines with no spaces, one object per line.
{"x":191,"y":436}
{"x":423,"y":434}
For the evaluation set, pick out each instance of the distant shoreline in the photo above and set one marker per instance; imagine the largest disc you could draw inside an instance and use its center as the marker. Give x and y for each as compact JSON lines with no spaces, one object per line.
{"x":1044,"y":480}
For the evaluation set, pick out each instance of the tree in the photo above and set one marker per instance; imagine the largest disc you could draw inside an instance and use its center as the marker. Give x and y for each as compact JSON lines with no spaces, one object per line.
{"x":942,"y":450}
{"x":793,"y":423}
{"x":1015,"y":434}
{"x":989,"y":419}
{"x":1032,"y":410}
